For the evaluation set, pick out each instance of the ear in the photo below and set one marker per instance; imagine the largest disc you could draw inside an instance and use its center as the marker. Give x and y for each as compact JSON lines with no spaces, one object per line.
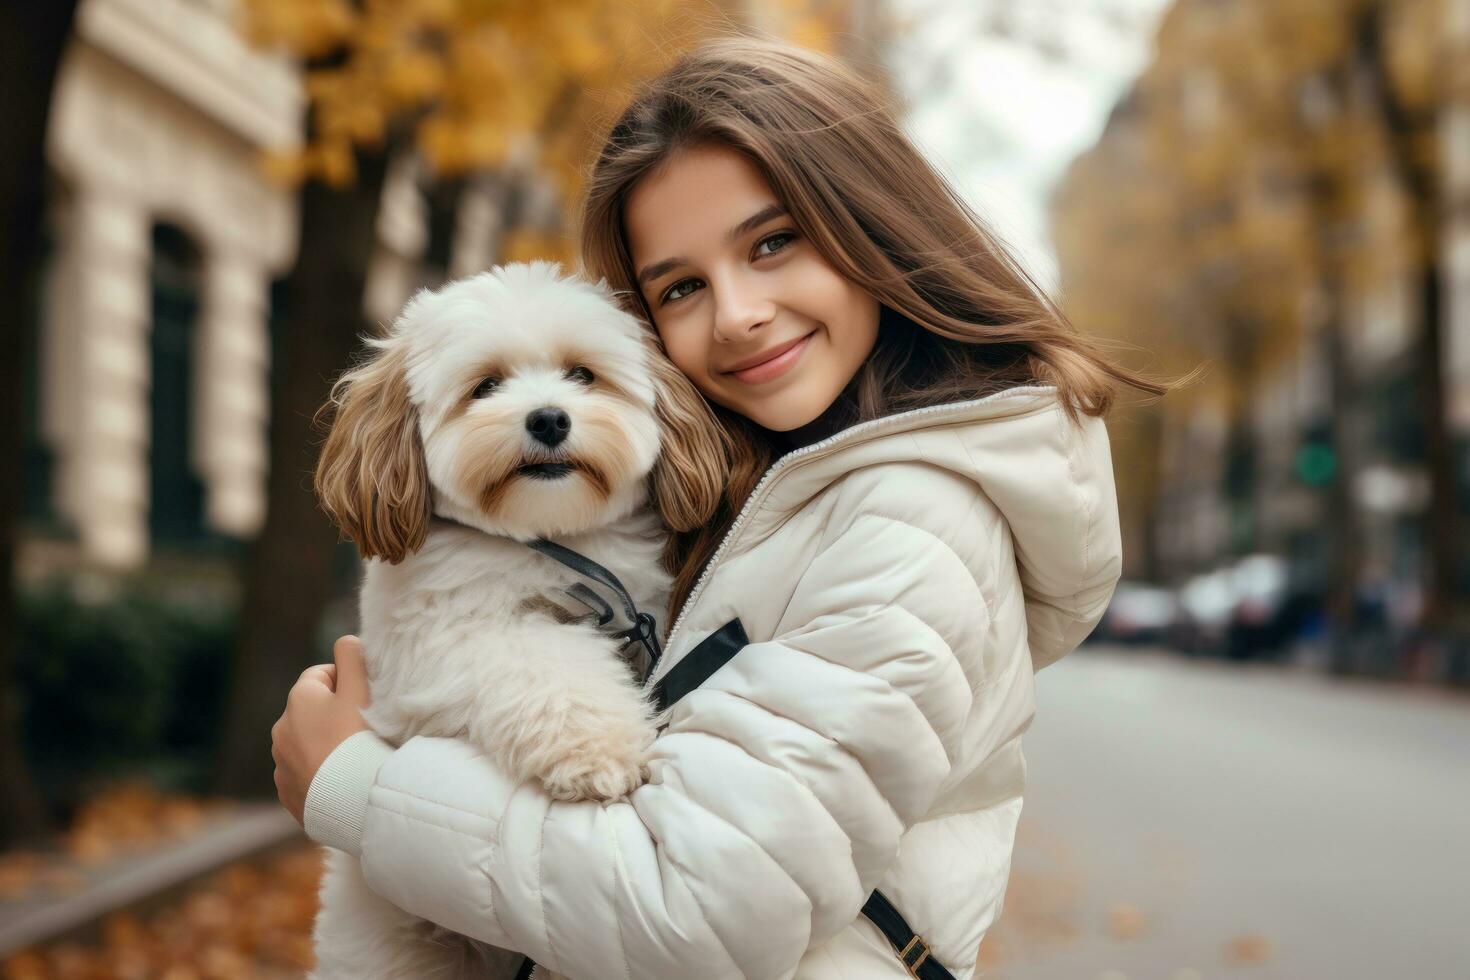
{"x":689,"y":477}
{"x":371,"y":478}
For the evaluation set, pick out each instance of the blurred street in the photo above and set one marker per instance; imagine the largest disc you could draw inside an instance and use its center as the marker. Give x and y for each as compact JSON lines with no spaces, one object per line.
{"x":1190,"y":819}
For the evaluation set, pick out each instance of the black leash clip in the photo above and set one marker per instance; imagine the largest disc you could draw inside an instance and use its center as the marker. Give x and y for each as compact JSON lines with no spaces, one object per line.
{"x":644,"y":628}
{"x":645,"y":631}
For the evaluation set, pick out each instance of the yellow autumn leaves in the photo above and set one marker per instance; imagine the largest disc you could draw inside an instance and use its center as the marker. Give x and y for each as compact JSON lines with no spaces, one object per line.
{"x":465,"y":79}
{"x":1252,"y":164}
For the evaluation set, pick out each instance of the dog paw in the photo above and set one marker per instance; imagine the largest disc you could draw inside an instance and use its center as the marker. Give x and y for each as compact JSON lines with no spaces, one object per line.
{"x":596,"y":776}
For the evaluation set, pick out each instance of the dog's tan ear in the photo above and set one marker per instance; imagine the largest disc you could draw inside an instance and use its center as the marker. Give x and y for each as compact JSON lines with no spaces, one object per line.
{"x":371,"y":478}
{"x":690,"y":475}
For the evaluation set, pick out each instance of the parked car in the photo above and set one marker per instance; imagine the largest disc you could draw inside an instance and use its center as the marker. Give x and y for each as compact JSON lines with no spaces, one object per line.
{"x":1139,"y":614}
{"x":1251,"y":609}
{"x":1206,"y":602}
{"x":1259,"y":582}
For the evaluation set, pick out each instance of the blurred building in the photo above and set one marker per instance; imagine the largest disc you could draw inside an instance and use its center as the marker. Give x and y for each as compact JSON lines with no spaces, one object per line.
{"x":151,"y":387}
{"x":150,"y":394}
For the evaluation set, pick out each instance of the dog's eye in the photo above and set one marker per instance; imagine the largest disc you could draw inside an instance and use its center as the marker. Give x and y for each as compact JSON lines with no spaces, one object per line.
{"x":486,"y":387}
{"x":579,"y":373}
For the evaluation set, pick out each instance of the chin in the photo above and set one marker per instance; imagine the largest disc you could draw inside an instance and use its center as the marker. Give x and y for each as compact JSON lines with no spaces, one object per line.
{"x":786,"y":418}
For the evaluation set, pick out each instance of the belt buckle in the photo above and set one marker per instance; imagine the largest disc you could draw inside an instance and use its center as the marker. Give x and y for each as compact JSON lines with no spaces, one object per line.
{"x":903,"y":955}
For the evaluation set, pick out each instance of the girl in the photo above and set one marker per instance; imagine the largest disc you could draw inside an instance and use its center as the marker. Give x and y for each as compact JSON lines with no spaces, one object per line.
{"x":915,"y":511}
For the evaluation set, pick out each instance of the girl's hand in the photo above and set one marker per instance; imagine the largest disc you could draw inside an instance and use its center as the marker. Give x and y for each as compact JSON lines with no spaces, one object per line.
{"x":323,"y":709}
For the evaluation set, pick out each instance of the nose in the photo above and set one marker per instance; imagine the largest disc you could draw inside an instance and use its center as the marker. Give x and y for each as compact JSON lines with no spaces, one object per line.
{"x":549,"y":426}
{"x":739,"y":309}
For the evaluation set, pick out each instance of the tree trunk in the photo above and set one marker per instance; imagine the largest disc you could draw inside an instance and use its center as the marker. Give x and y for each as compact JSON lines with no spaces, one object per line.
{"x":1241,"y":455}
{"x":443,"y":196}
{"x":290,"y":573}
{"x":1445,"y":605}
{"x":1343,"y":529}
{"x":32,"y":38}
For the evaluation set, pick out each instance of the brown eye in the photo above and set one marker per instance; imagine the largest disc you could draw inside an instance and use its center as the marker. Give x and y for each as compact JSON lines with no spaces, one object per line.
{"x":485,"y":388}
{"x":579,"y":373}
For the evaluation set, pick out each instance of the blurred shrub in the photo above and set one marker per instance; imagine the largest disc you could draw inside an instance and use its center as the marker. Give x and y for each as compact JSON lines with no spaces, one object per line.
{"x":118,"y":686}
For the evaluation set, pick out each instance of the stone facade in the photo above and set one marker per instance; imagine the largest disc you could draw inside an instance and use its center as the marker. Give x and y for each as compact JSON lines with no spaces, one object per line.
{"x":159,"y":113}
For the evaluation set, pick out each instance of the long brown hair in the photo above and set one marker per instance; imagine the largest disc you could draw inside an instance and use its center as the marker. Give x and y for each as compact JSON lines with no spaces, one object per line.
{"x":960,"y":317}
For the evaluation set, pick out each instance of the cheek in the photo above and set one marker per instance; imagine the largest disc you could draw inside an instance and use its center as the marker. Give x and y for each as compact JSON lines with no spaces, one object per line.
{"x":822,"y":294}
{"x":855,"y":328}
{"x":688,"y":352}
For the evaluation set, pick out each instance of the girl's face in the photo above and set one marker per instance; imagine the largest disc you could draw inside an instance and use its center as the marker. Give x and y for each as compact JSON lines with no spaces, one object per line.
{"x":745,"y":305}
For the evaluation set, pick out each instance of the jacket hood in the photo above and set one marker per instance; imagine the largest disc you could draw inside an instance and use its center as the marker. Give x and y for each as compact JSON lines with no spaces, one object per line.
{"x":1051,"y":479}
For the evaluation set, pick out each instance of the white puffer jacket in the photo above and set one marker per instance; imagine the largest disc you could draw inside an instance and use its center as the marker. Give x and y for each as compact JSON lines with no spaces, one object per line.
{"x":898,"y":583}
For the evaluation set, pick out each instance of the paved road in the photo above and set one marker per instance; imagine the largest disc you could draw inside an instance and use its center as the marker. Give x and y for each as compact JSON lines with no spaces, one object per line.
{"x":1189,"y":820}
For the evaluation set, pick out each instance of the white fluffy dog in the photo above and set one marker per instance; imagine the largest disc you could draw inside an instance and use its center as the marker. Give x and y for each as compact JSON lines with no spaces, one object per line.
{"x":513,"y":405}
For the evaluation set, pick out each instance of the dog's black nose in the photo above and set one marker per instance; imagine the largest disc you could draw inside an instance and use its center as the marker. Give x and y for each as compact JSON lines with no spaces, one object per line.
{"x":549,"y":425}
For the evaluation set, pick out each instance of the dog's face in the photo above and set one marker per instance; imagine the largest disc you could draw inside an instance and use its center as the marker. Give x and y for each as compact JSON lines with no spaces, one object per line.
{"x":520,"y":400}
{"x":535,"y":402}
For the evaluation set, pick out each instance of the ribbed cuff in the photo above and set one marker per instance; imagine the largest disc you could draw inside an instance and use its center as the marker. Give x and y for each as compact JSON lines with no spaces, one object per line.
{"x":336,"y":801}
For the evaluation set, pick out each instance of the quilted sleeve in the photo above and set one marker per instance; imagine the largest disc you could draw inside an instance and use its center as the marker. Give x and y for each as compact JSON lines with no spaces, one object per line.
{"x":777,"y":796}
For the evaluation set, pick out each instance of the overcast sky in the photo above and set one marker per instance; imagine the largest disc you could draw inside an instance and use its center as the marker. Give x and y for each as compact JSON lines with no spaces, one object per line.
{"x":1004,"y":94}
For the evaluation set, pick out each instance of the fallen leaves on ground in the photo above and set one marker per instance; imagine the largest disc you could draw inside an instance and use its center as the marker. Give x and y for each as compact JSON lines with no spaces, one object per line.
{"x":22,"y":872}
{"x":126,"y":820}
{"x":1126,"y":922}
{"x":1248,"y":950}
{"x":1051,"y":903}
{"x":252,"y":919}
{"x":132,"y":817}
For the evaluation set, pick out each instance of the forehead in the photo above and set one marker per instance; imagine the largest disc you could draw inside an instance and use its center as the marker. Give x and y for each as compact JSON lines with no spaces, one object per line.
{"x":515,"y":317}
{"x":690,"y":202}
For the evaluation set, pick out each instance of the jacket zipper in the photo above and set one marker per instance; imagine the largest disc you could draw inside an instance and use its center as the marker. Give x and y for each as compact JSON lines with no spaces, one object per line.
{"x":804,"y":454}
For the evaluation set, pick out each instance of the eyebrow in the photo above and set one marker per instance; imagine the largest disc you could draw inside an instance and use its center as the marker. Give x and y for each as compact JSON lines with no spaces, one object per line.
{"x":765,"y":214}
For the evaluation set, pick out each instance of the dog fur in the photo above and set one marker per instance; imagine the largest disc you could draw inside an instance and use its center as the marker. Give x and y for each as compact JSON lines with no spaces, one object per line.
{"x":515,"y":404}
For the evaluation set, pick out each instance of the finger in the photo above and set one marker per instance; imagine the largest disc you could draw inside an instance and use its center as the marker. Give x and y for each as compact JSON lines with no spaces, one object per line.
{"x":323,"y":674}
{"x":352,"y":681}
{"x":303,"y":693}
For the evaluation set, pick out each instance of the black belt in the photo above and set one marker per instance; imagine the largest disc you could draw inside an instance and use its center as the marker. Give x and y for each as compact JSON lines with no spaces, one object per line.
{"x":911,"y":948}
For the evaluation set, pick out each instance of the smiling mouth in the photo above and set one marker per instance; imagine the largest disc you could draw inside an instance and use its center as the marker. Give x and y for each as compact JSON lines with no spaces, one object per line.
{"x":773,"y":366}
{"x":545,"y":471}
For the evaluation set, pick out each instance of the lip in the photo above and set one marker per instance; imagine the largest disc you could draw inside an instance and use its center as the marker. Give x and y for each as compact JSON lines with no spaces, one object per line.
{"x":771,"y":364}
{"x":545,"y":471}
